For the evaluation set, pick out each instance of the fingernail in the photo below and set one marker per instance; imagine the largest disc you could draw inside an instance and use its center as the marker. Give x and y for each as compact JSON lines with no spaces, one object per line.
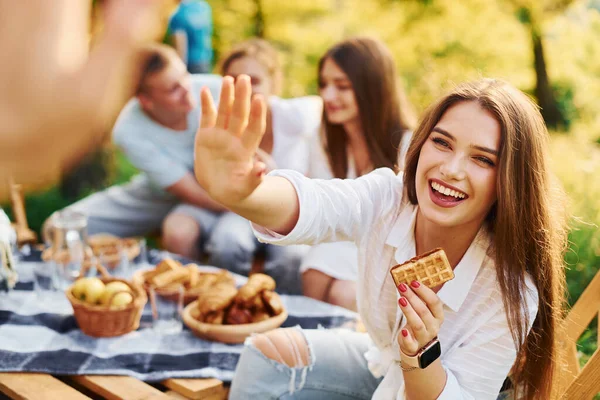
{"x":415,"y":284}
{"x":404,"y":333}
{"x":402,"y":287}
{"x":403,"y":302}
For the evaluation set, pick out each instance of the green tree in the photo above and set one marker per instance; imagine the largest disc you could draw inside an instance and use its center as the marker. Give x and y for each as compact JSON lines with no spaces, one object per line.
{"x":533,"y":14}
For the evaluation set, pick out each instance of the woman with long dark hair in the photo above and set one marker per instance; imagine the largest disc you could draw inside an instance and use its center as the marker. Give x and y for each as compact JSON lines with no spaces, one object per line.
{"x":366,"y":125}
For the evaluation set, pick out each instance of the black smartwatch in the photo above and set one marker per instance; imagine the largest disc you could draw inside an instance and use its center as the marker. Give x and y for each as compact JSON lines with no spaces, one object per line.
{"x":428,"y":354}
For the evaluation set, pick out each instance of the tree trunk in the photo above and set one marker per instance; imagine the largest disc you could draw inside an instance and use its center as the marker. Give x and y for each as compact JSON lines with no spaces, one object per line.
{"x":543,"y":90}
{"x":259,"y":20}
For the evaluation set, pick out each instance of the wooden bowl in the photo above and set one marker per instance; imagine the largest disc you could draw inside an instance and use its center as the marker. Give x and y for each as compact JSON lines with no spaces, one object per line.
{"x":228,"y":333}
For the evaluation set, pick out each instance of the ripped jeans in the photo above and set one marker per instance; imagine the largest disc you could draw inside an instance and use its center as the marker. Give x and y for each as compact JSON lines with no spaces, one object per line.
{"x":336,"y":370}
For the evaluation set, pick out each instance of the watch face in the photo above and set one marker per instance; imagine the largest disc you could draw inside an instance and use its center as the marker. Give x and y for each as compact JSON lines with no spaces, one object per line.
{"x":430,"y":355}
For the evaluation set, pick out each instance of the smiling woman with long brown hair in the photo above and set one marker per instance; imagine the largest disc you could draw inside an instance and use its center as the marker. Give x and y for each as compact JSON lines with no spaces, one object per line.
{"x":477,"y":184}
{"x":527,"y":224}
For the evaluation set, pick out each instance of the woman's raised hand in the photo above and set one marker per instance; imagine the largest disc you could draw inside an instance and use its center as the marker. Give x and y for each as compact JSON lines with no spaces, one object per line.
{"x":226,"y":142}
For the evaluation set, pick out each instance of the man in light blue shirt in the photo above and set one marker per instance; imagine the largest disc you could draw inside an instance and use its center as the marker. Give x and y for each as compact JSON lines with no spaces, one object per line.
{"x":191,"y":27}
{"x":156,"y":131}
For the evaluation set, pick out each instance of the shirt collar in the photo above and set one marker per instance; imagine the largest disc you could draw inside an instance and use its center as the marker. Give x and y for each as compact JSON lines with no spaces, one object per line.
{"x":454,"y":292}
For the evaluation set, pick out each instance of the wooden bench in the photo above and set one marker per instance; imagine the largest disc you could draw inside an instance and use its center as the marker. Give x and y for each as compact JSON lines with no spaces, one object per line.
{"x":576,"y":382}
{"x":32,"y":386}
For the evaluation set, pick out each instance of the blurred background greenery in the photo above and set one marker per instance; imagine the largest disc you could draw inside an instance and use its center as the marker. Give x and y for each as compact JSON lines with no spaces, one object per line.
{"x":548,"y":48}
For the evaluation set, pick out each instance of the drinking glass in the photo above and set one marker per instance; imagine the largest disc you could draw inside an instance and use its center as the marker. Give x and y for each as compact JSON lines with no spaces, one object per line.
{"x":44,"y":278}
{"x":166,"y":312}
{"x":116,"y":259}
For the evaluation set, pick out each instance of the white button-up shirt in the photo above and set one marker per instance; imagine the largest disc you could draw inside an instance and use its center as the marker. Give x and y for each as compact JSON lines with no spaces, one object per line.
{"x":477,"y":346}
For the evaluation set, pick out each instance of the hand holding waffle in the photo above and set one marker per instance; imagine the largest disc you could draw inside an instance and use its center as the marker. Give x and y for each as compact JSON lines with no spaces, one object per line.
{"x":421,"y":306}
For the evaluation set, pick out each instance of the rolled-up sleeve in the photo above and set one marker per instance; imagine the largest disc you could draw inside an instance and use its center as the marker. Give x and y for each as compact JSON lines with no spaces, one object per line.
{"x":336,"y":210}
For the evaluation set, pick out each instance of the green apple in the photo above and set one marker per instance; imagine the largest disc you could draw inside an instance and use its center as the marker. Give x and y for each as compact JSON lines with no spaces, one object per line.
{"x":113,"y":287}
{"x":88,"y":289}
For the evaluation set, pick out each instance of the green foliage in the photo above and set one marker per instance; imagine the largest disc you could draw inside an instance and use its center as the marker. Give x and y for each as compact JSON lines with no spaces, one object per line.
{"x":41,"y":205}
{"x":565,"y":100}
{"x":524,"y":15}
{"x":93,"y":173}
{"x":577,"y":164}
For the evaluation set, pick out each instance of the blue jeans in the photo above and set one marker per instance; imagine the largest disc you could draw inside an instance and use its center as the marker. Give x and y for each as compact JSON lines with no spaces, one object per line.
{"x":233,"y":246}
{"x":337,"y":370}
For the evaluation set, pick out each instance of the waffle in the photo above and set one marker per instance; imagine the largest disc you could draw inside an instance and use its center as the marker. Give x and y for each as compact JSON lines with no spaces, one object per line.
{"x":431,"y":269}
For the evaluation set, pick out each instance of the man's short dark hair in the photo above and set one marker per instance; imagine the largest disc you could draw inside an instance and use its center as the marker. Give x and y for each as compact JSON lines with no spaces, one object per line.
{"x":155,"y":59}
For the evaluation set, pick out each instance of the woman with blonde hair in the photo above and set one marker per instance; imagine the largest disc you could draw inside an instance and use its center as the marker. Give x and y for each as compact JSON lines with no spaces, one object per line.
{"x":291,"y":126}
{"x":478,"y":184}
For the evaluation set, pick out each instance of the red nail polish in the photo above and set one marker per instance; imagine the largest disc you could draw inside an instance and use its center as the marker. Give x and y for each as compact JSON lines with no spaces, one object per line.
{"x":404,"y":333}
{"x":402,"y":287}
{"x":415,"y":284}
{"x":403,"y":302}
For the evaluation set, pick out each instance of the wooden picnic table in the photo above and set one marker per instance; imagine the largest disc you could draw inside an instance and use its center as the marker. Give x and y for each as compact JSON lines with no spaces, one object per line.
{"x":35,"y":386}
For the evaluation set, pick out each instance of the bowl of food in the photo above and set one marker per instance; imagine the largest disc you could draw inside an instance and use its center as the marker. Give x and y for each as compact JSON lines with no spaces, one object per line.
{"x":169,"y":274}
{"x":227,"y":314}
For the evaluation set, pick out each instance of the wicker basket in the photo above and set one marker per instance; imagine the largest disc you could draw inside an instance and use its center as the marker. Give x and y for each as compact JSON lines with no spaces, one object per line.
{"x":100,"y":321}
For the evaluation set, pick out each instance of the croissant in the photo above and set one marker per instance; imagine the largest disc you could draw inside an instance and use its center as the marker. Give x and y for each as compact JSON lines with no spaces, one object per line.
{"x":256,"y":284}
{"x":216,"y":298}
{"x":225,"y":276}
{"x":273,"y":302}
{"x":215,"y":317}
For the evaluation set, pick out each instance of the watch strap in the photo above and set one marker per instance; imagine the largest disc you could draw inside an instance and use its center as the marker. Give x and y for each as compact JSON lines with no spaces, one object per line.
{"x":413,"y":362}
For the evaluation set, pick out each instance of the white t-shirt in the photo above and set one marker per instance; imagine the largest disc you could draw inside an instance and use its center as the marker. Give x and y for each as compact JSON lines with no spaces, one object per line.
{"x":295,"y":123}
{"x":163,"y":154}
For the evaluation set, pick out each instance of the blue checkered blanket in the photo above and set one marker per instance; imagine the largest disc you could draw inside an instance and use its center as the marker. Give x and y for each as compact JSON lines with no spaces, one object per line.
{"x":40,"y":334}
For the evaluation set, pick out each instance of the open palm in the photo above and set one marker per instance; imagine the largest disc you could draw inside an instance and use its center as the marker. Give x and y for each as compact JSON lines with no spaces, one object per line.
{"x":226,"y":142}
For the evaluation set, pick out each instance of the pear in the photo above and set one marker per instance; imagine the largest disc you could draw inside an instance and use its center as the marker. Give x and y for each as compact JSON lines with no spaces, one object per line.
{"x":113,"y":287}
{"x":88,"y":289}
{"x":121,"y":300}
{"x":79,"y":288}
